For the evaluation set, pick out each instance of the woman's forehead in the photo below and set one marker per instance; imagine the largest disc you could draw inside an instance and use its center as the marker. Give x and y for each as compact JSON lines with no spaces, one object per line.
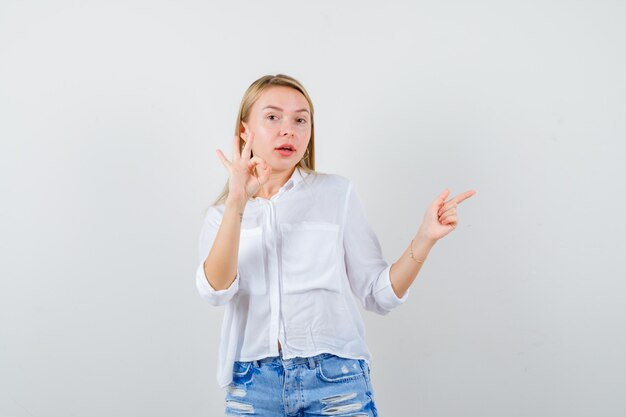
{"x":282,"y":98}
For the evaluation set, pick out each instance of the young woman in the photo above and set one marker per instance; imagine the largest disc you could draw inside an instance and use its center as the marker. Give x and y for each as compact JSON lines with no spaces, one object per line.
{"x":286,"y":250}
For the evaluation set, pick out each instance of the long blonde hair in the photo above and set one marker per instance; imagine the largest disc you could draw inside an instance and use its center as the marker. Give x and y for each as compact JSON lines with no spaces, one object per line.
{"x":250,"y":97}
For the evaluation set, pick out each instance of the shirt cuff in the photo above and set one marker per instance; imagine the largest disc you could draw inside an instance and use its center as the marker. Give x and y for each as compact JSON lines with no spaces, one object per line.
{"x":385,"y":295}
{"x":214,"y":297}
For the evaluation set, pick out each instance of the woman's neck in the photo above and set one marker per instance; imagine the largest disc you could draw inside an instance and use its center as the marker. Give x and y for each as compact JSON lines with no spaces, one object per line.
{"x":274,"y":183}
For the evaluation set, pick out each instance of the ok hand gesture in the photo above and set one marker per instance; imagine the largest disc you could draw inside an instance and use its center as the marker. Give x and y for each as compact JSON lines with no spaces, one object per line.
{"x":246,"y":174}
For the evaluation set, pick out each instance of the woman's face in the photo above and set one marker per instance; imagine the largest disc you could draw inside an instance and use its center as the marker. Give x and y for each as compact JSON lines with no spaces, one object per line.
{"x":281,"y":122}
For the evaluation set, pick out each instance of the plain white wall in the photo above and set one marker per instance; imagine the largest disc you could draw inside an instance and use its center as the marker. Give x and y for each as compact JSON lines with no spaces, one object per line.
{"x":110,"y":113}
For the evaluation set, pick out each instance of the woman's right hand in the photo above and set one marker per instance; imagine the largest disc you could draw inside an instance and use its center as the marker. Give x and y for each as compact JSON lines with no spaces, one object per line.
{"x":246,"y":174}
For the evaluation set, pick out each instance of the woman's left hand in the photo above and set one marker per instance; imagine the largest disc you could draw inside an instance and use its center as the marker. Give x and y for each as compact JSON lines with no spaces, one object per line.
{"x":441,"y":216}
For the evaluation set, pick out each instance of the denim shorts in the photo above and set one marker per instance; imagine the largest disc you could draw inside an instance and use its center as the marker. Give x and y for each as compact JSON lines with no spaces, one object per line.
{"x":322,"y":385}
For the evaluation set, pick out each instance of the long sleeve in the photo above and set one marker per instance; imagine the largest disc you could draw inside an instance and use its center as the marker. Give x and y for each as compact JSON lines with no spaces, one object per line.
{"x":208,"y":233}
{"x":366,"y":269}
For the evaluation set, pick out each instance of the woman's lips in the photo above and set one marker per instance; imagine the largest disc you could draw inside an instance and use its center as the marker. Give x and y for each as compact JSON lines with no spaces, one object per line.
{"x":284,"y":152}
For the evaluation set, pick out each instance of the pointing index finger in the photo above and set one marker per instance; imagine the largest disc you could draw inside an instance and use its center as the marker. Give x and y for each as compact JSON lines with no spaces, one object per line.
{"x":464,"y":196}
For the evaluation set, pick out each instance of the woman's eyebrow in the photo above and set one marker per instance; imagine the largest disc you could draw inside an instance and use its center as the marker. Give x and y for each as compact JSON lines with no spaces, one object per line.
{"x":279,"y":109}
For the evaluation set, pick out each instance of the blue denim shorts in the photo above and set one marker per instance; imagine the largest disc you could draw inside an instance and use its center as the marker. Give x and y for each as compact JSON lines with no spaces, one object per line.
{"x":322,"y":385}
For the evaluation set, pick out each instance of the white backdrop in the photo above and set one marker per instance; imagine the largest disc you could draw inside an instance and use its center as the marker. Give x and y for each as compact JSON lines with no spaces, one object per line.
{"x":110,"y":113}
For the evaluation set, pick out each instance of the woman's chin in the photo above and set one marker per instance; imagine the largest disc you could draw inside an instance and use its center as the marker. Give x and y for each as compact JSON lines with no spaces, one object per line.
{"x":283,"y":166}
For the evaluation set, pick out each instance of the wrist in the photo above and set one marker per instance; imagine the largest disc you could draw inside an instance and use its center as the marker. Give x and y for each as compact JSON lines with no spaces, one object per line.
{"x":423,"y":240}
{"x":419,"y":250}
{"x":235,"y":203}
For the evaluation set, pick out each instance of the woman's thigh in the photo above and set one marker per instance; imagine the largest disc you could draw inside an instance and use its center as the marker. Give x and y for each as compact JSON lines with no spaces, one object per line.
{"x":255,"y":391}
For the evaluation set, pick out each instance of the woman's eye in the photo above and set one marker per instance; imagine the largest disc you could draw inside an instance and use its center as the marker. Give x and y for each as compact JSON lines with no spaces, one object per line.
{"x":271,"y":117}
{"x":301,"y":120}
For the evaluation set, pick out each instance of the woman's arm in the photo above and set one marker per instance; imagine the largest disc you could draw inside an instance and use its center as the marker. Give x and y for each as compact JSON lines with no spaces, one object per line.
{"x":439,"y":220}
{"x":404,"y":271}
{"x":220,"y":266}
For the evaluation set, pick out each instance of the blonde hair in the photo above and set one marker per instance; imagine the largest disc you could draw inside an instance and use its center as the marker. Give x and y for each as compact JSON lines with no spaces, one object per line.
{"x":250,"y":97}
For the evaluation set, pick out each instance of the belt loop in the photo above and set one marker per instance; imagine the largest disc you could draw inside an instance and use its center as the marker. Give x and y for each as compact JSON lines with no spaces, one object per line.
{"x":311,"y":363}
{"x":255,"y":363}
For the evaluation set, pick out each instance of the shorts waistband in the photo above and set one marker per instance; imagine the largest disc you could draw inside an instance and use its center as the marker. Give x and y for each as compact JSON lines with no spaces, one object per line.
{"x":311,"y":361}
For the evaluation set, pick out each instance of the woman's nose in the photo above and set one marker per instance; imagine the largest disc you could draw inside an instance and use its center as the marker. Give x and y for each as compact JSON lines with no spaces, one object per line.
{"x":286,"y":129}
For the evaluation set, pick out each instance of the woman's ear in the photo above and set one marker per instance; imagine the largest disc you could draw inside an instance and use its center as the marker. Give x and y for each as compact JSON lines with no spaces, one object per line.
{"x":244,"y":131}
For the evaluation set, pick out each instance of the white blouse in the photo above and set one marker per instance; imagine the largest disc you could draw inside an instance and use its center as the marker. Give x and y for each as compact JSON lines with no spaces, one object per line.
{"x":302,"y":255}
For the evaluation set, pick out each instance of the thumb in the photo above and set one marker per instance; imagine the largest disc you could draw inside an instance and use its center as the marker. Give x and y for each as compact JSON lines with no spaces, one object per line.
{"x":442,"y":197}
{"x":265,"y":174}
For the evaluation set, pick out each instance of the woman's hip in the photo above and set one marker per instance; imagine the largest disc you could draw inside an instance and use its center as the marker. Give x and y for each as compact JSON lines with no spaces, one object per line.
{"x":325,"y":384}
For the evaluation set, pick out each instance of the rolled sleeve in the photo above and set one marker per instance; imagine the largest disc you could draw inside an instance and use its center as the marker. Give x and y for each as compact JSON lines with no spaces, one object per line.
{"x":366,"y":269}
{"x":384,"y":294}
{"x":212,"y":296}
{"x":208,"y":233}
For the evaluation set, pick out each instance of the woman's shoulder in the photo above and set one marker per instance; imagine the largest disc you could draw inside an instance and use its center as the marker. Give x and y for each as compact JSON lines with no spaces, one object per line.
{"x":213,"y":213}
